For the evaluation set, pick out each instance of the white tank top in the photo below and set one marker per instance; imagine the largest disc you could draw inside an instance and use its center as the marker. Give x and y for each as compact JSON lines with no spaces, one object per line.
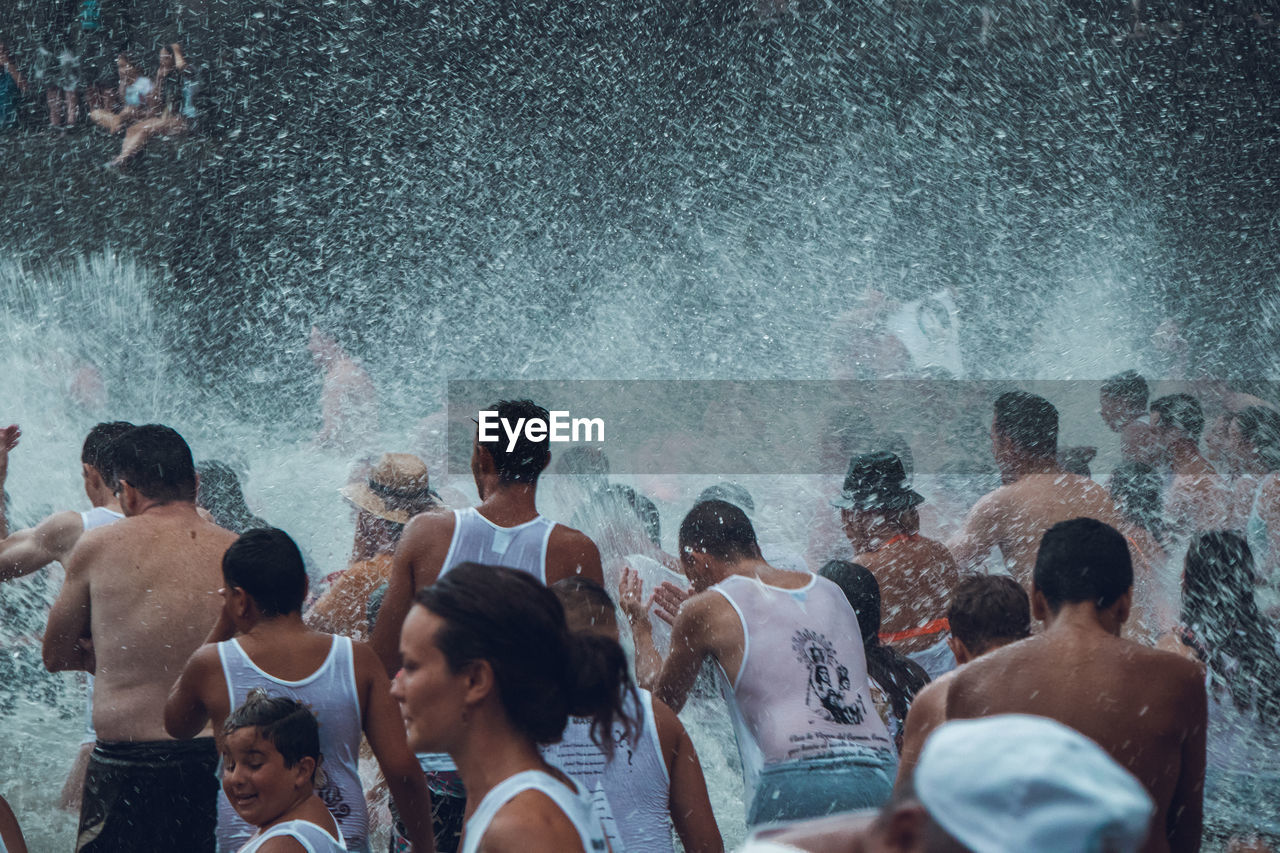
{"x":574,"y":802}
{"x":99,"y":516}
{"x":802,"y":691}
{"x":330,"y":692}
{"x":476,"y":539}
{"x":312,"y":837}
{"x":630,"y":793}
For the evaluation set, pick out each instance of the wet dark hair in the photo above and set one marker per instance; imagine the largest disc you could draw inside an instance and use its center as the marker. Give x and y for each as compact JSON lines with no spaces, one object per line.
{"x":1129,"y":388}
{"x":577,"y":592}
{"x":268,"y":566}
{"x":988,"y":611}
{"x":220,"y":493}
{"x":1083,"y":560}
{"x":1029,"y":421}
{"x":1234,"y":640}
{"x":1260,"y":427}
{"x":1180,"y":411}
{"x":97,"y":451}
{"x":285,"y":723}
{"x":526,"y":460}
{"x":544,"y":673}
{"x":157,"y":462}
{"x":729,"y":492}
{"x":899,"y":676}
{"x":1137,"y":490}
{"x":720,"y":529}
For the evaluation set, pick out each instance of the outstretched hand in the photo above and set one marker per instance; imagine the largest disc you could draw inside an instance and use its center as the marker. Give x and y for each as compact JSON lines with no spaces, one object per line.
{"x":667,"y":599}
{"x":8,"y":441}
{"x":631,"y":597}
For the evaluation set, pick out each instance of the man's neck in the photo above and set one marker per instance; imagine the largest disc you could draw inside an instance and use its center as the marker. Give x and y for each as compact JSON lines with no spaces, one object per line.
{"x":1026,"y":466}
{"x":1084,"y":617}
{"x":169,"y":508}
{"x":288,"y":623}
{"x":509,"y":500}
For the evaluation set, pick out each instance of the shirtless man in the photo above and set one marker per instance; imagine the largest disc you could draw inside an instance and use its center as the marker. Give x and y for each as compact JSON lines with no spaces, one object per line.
{"x":504,"y":530}
{"x":1198,"y":498}
{"x":1036,"y":493}
{"x":916,"y":574}
{"x":30,"y":550}
{"x":139,"y":597}
{"x":348,"y":401}
{"x":1147,"y":708}
{"x":1122,"y":404}
{"x":811,"y":740}
{"x":986,"y":613}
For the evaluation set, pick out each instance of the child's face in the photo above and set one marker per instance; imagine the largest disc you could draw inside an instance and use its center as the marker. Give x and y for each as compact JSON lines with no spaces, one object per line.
{"x":256,"y":780}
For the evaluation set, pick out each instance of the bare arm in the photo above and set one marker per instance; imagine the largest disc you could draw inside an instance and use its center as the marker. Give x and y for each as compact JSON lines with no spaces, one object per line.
{"x":1186,"y":809}
{"x":8,"y":441}
{"x":691,"y":643}
{"x":530,"y":824}
{"x":30,"y":550}
{"x":689,"y":802}
{"x":186,"y":713}
{"x":980,"y":535}
{"x":419,"y":545}
{"x":928,"y":711}
{"x":648,"y":661}
{"x":571,"y":552}
{"x":384,"y":728}
{"x":69,"y":620}
{"x":10,"y":832}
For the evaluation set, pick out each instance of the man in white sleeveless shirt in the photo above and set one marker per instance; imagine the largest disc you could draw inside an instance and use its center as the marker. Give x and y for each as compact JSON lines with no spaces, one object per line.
{"x":25,"y":552}
{"x":504,"y":530}
{"x":792,"y":670}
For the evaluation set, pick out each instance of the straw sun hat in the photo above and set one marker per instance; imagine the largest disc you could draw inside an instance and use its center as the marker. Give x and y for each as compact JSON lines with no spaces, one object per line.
{"x":397,"y":488}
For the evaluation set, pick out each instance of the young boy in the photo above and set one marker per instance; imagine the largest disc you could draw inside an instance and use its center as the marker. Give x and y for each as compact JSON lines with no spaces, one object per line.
{"x":270,"y":752}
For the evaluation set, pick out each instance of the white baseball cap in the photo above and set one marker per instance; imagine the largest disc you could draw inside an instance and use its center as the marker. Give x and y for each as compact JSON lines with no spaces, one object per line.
{"x":1016,"y":783}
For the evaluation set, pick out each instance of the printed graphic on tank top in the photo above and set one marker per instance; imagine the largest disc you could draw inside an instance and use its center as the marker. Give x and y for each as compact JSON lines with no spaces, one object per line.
{"x":572,"y":802}
{"x":330,"y":692}
{"x":630,"y":793}
{"x":476,"y":539}
{"x":801,"y":692}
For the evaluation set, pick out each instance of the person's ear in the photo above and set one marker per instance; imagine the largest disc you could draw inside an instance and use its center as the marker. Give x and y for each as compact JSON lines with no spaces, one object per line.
{"x":1040,"y":610}
{"x":481,"y":681}
{"x":304,"y":772}
{"x":958,"y":649}
{"x":904,"y":829}
{"x":1123,"y":606}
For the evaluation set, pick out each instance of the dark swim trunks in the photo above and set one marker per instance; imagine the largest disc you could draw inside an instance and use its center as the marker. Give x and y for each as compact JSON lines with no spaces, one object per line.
{"x":156,"y":795}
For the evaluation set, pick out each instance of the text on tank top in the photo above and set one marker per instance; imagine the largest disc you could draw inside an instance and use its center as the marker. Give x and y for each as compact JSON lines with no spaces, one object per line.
{"x":92,"y":519}
{"x":630,"y":793}
{"x":476,"y":539}
{"x":801,"y":692}
{"x":573,"y":802}
{"x":331,"y":694}
{"x":312,"y":837}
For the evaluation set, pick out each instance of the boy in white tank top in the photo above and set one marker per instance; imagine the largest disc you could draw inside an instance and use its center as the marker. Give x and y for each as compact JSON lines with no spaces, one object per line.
{"x":792,"y":668}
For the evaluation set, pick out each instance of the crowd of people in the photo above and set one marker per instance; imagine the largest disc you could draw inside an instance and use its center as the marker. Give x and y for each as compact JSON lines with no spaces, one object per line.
{"x":1020,"y":686}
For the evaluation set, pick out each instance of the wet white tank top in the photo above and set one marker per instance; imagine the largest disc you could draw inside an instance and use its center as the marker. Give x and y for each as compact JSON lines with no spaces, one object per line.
{"x":330,"y":692}
{"x":476,"y":539}
{"x":99,"y":516}
{"x":574,"y":802}
{"x":802,"y":692}
{"x":312,"y":837}
{"x":630,"y":793}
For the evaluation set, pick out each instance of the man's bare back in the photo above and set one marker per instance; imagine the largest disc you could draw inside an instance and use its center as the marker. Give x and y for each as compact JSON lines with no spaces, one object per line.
{"x":1015,"y":517}
{"x":145,"y":590}
{"x":1144,"y":707}
{"x":916,"y":577}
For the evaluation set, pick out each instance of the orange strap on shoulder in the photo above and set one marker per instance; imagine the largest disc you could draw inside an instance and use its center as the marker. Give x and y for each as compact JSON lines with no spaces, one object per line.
{"x":937,"y":626}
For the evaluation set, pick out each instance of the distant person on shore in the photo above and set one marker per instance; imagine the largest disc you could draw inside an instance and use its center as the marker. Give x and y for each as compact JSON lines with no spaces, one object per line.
{"x":1037,"y":493}
{"x":916,"y":574}
{"x":13,"y":88}
{"x":131,"y":101}
{"x":808,"y":733}
{"x":1151,"y":713}
{"x":986,"y":613}
{"x":140,"y":596}
{"x":160,"y":111}
{"x":1007,"y":784}
{"x":1198,"y":498}
{"x":221,"y":494}
{"x":348,"y":400}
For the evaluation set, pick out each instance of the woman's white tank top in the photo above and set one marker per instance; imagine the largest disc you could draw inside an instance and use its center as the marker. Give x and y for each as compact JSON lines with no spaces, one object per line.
{"x":330,"y":692}
{"x":312,"y":837}
{"x":630,"y":793}
{"x":574,"y":802}
{"x":801,"y":692}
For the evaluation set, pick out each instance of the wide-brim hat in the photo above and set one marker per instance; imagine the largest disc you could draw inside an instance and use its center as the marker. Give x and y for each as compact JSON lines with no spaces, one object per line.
{"x":877,"y":481}
{"x":397,"y":489}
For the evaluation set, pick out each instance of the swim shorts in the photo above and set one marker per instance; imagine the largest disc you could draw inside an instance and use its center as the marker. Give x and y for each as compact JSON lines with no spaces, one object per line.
{"x":150,"y":795}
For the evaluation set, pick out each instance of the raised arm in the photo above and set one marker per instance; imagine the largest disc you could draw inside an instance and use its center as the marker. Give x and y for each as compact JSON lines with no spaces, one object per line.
{"x":689,"y":803}
{"x":980,"y":535}
{"x":417,"y":563}
{"x":8,"y":441}
{"x":384,"y":729}
{"x":30,"y":550}
{"x":694,"y":637}
{"x":69,"y":619}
